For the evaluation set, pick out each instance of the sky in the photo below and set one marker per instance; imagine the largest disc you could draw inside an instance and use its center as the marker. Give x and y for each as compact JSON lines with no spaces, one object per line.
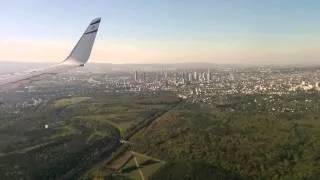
{"x":164,"y":31}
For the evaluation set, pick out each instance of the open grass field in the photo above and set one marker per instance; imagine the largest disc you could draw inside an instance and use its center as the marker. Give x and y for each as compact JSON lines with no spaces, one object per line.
{"x":105,"y":119}
{"x":69,"y":101}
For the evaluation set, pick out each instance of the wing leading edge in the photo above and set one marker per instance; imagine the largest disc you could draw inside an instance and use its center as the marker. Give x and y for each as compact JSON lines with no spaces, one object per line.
{"x":78,"y":57}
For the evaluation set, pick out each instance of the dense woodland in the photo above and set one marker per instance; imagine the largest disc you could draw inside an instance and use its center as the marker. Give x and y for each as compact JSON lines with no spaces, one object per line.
{"x":254,"y":143}
{"x":234,"y":137}
{"x":192,"y":170}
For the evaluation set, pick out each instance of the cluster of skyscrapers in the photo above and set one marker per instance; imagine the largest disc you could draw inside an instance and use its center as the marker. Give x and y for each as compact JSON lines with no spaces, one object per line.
{"x":183,"y":77}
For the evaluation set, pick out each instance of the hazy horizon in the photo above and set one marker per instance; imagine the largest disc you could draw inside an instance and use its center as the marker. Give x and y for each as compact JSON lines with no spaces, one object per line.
{"x":302,"y":64}
{"x":140,"y":32}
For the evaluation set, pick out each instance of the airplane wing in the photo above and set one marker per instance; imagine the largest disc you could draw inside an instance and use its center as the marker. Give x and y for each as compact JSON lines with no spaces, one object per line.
{"x":77,"y":58}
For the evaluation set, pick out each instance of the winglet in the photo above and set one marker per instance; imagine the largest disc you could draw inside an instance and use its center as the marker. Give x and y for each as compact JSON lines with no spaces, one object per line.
{"x":81,"y":52}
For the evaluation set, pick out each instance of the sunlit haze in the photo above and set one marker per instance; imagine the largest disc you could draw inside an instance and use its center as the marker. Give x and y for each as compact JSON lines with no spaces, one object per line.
{"x":163,"y":31}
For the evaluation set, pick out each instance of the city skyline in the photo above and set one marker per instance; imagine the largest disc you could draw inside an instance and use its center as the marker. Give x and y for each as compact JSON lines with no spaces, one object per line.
{"x":164,"y":31}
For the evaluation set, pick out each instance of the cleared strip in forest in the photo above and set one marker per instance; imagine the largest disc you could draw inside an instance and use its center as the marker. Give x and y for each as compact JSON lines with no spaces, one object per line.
{"x":148,"y":121}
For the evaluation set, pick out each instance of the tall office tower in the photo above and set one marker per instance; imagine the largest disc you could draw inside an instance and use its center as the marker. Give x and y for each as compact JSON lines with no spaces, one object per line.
{"x":183,"y":76}
{"x":208,"y":76}
{"x":190,"y":77}
{"x":195,"y":77}
{"x":200,"y":77}
{"x":136,"y":76}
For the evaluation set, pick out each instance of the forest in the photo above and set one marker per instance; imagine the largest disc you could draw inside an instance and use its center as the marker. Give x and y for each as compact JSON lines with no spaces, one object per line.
{"x":265,"y":142}
{"x":236,"y":137}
